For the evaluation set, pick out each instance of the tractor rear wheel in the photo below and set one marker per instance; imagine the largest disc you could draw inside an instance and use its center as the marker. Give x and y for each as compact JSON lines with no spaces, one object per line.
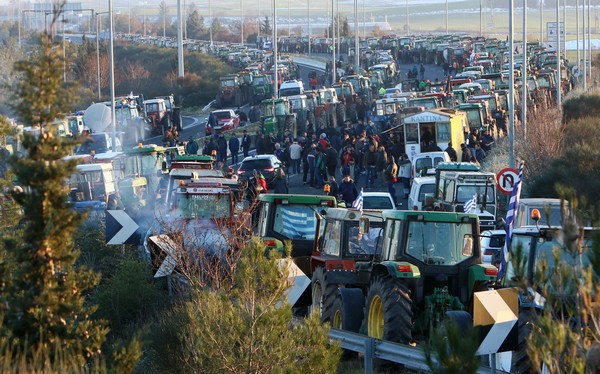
{"x":340,"y":112}
{"x":388,"y":313}
{"x":323,"y":294}
{"x":347,"y":310}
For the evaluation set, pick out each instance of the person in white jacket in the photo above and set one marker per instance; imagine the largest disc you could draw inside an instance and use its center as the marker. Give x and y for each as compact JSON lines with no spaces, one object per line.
{"x":295,"y":156}
{"x":404,"y":174}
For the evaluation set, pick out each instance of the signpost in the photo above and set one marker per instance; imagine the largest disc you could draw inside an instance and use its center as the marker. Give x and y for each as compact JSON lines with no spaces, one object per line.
{"x":551,"y":31}
{"x":505,"y":180}
{"x":120,"y":228}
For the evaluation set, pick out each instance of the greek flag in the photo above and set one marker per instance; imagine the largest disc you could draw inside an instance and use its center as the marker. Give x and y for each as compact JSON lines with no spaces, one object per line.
{"x":358,"y":203}
{"x":471,"y":205}
{"x":513,"y":206}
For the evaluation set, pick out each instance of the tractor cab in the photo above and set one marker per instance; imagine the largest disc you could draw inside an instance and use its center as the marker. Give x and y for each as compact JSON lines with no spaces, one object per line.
{"x":91,"y":185}
{"x":278,"y":117}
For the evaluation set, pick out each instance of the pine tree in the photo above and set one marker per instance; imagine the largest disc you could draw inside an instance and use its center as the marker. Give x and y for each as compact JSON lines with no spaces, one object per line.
{"x":45,"y":302}
{"x":195,"y":25}
{"x":265,"y":27}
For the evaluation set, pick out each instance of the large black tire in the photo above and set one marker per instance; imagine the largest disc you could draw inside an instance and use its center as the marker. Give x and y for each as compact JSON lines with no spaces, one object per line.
{"x":323,"y":294}
{"x":347,"y":310}
{"x":520,"y":359}
{"x":388,"y":313}
{"x":352,"y":114}
{"x":340,"y":112}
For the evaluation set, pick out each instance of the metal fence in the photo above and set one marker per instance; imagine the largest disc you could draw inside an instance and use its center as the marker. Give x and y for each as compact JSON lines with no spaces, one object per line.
{"x":410,"y":357}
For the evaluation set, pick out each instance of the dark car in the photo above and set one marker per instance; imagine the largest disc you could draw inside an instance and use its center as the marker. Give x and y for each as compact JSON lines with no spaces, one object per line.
{"x":267,"y":165}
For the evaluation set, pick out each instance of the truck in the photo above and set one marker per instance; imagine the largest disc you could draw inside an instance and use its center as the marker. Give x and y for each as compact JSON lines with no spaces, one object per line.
{"x":429,"y":265}
{"x":457,"y":182}
{"x":90,"y":186}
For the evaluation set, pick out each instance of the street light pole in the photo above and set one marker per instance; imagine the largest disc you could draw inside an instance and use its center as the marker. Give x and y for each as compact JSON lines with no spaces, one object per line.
{"x":333,"y":67}
{"x":577,"y":30}
{"x":584,"y":49}
{"x":180,"y":62}
{"x":589,"y":31}
{"x":524,"y":81}
{"x":112,"y":76}
{"x":541,"y":21}
{"x":480,"y":17}
{"x":446,"y":17}
{"x":309,"y":26}
{"x":210,"y":23}
{"x":558,"y":79}
{"x":289,"y":20}
{"x":356,"y":36}
{"x":511,"y":84}
{"x":407,"y":20}
{"x":274,"y":44}
{"x":98,"y":53}
{"x":242,"y":21}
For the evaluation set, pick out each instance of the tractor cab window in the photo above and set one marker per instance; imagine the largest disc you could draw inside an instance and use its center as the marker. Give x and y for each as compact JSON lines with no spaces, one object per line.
{"x":202,"y":206}
{"x":295,"y":221}
{"x":466,"y":192}
{"x":359,"y":243}
{"x":439,"y":243}
{"x":152,"y":107}
{"x":332,"y":238}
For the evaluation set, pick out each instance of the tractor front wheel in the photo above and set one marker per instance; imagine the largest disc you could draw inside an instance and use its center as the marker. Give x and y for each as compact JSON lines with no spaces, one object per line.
{"x":388,"y":313}
{"x":323,"y":294}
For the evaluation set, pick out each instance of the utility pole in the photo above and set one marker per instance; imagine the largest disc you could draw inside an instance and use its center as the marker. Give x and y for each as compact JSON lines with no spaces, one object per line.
{"x":558,"y":79}
{"x":577,"y":31}
{"x":334,"y":66}
{"x":584,"y":49}
{"x":511,"y":84}
{"x":274,"y":44}
{"x":180,"y":66}
{"x":480,"y":17}
{"x":446,"y":17}
{"x":242,"y":21}
{"x":309,"y":28}
{"x":356,"y":44}
{"x":525,"y":93}
{"x":407,"y":20}
{"x":113,"y":115}
{"x":541,"y":21}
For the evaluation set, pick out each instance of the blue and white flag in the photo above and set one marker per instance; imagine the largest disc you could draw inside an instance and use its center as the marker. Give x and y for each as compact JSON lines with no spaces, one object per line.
{"x":471,"y":205}
{"x":358,"y":202}
{"x":513,"y":206}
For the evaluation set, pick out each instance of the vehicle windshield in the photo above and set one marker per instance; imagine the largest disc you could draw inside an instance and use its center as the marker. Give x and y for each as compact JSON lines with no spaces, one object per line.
{"x":377,"y":202}
{"x":222,"y":115}
{"x":151,"y":108}
{"x":474,"y":117}
{"x":142,"y":165}
{"x":426,"y":189}
{"x":228,"y":83}
{"x":359,"y":244}
{"x":521,"y":243}
{"x":202,"y":206}
{"x":260,"y":81}
{"x":93,"y":142}
{"x":295,"y":221}
{"x":465,"y":192}
{"x":440,"y":243}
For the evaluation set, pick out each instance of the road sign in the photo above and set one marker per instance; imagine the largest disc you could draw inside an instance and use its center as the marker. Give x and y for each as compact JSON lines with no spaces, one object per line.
{"x":298,"y":282}
{"x":505,"y":180}
{"x":120,"y":228}
{"x":551,"y":31}
{"x":170,"y":255}
{"x":495,"y":314}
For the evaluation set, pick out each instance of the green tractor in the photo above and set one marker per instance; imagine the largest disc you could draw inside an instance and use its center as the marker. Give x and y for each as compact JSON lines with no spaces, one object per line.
{"x":278,"y":117}
{"x":262,"y":89}
{"x":427,"y":271}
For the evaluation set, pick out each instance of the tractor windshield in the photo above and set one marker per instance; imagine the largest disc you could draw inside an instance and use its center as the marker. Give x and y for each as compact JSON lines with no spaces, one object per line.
{"x":440,"y":243}
{"x":465,"y":192}
{"x":202,"y":206}
{"x":295,"y":221}
{"x":474,"y":117}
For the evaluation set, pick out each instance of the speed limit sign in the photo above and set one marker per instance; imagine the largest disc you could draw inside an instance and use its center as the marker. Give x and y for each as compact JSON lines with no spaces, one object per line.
{"x":506,"y":179}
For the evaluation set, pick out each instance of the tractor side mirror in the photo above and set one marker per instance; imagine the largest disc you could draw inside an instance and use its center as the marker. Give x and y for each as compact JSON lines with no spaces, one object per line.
{"x":363,"y":225}
{"x":467,"y":248}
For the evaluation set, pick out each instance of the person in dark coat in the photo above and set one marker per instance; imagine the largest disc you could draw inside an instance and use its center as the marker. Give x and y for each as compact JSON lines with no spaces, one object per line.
{"x":347,"y":190}
{"x":451,"y":153}
{"x":234,"y":148}
{"x":221,"y":148}
{"x":332,"y":160}
{"x":466,"y":153}
{"x":191,"y":148}
{"x":280,"y":182}
{"x":246,"y":143}
{"x":261,"y":145}
{"x":333,"y":188}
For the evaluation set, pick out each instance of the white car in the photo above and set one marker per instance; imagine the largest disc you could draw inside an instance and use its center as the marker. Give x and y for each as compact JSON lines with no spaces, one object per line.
{"x":378,"y":200}
{"x":420,"y":187}
{"x":424,"y":163}
{"x":492,"y":244}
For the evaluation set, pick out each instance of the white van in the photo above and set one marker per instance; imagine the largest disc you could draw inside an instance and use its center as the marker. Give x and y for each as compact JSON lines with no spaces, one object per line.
{"x":420,"y":187}
{"x":424,"y":163}
{"x":290,"y":88}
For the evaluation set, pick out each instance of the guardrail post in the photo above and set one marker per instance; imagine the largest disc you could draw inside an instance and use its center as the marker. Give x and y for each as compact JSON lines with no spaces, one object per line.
{"x":369,"y":350}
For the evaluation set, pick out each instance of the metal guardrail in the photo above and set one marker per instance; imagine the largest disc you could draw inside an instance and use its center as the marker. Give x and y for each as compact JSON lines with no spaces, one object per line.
{"x":410,"y":357}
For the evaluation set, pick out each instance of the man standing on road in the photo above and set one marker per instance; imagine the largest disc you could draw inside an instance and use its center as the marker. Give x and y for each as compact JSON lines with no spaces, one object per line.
{"x":234,"y":148}
{"x":404,"y":173}
{"x":246,"y":143}
{"x":295,"y":155}
{"x":222,"y":148}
